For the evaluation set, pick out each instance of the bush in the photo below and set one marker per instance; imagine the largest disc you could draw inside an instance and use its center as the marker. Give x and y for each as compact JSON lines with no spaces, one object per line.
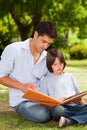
{"x":78,"y":52}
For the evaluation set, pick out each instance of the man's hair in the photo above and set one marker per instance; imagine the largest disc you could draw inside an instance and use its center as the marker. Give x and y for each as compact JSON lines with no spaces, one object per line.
{"x":47,"y":28}
{"x":51,"y":56}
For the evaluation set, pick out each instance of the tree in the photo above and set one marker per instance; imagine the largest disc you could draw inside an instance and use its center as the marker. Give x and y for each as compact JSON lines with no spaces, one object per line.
{"x":69,"y":15}
{"x":66,"y":14}
{"x":26,"y":13}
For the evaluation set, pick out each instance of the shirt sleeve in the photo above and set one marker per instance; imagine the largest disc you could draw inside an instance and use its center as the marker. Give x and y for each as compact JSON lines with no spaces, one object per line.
{"x":77,"y":90}
{"x":7,"y":61}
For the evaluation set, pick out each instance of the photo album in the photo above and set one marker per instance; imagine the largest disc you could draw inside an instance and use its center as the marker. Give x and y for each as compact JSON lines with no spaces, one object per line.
{"x":49,"y":101}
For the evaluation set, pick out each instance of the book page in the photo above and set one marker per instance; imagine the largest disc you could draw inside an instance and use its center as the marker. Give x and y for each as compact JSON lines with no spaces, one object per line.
{"x":74,"y":97}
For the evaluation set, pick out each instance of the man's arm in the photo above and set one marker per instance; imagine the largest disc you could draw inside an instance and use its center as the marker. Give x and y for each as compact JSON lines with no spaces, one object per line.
{"x":15,"y":84}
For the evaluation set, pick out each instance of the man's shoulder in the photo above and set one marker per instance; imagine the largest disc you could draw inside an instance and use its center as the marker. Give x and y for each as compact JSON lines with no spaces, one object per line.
{"x":16,"y":45}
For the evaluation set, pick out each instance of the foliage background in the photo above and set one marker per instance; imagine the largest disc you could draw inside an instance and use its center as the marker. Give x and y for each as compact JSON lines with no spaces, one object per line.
{"x":18,"y":19}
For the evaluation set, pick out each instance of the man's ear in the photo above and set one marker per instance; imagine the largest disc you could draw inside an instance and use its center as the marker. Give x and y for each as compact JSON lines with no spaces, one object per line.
{"x":35,"y":34}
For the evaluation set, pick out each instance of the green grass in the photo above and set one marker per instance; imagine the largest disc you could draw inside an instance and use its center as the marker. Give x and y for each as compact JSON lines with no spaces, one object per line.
{"x":80,"y":75}
{"x":77,"y":63}
{"x":9,"y":120}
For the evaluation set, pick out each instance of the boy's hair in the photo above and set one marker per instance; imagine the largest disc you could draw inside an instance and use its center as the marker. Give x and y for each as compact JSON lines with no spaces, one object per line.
{"x":51,"y":56}
{"x":47,"y":28}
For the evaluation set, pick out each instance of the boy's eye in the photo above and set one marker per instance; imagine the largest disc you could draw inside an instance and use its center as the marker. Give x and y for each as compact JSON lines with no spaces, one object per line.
{"x":60,"y":63}
{"x":55,"y":64}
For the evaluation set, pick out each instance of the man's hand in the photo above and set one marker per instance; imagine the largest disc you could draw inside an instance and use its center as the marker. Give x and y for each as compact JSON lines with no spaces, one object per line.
{"x":62,"y":99}
{"x":28,"y":86}
{"x":17,"y":85}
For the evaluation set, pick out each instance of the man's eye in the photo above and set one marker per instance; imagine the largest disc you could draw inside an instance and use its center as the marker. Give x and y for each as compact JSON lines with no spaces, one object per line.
{"x":44,"y":42}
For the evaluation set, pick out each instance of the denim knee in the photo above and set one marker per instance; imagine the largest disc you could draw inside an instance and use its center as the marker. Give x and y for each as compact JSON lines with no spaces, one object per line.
{"x":37,"y":113}
{"x":43,"y":115}
{"x":57,"y":111}
{"x":40,"y":113}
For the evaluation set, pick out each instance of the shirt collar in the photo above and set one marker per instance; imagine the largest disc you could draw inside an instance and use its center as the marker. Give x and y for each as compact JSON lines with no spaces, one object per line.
{"x":25,"y":46}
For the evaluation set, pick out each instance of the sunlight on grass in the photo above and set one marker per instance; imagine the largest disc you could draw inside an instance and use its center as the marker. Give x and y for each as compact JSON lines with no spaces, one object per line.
{"x":77,"y":63}
{"x":3,"y":88}
{"x":80,"y":75}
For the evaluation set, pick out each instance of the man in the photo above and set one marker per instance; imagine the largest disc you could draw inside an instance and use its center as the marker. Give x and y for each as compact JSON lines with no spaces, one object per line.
{"x":22,"y":66}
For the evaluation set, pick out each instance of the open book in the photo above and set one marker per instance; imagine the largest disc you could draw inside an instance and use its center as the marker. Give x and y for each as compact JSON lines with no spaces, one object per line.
{"x":49,"y":101}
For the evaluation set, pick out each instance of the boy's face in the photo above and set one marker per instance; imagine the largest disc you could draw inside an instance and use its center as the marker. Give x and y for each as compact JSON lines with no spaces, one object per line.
{"x":57,"y":67}
{"x":42,"y":42}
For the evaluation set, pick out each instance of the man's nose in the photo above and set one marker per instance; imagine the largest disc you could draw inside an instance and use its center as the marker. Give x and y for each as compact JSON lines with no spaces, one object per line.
{"x":46,"y":45}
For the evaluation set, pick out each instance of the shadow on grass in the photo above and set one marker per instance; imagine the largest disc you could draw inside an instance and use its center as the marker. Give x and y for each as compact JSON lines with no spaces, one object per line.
{"x":10,"y":113}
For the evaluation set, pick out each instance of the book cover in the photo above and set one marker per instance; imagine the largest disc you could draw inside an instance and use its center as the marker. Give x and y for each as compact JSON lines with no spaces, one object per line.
{"x":49,"y":101}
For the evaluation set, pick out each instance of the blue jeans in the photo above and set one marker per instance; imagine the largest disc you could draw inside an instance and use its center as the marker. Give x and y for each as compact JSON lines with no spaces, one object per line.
{"x":33,"y":112}
{"x":77,"y":113}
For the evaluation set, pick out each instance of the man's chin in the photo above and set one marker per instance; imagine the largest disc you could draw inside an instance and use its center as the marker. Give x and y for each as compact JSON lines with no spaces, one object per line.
{"x":41,"y":51}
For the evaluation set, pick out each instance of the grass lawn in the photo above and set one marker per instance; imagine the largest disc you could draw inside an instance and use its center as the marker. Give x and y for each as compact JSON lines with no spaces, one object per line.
{"x":9,"y":120}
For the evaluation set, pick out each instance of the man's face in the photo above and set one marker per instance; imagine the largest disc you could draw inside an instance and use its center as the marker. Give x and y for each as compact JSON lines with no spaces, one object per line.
{"x":41,"y":43}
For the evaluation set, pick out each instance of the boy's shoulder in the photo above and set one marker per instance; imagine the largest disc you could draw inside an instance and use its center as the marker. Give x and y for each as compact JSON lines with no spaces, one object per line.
{"x":68,"y":74}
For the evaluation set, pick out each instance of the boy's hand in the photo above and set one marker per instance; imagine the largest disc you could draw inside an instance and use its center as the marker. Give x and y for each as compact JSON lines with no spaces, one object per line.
{"x":77,"y":101}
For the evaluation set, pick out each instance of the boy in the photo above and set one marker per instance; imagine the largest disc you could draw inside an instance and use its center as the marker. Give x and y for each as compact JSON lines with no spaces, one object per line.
{"x":61,"y":85}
